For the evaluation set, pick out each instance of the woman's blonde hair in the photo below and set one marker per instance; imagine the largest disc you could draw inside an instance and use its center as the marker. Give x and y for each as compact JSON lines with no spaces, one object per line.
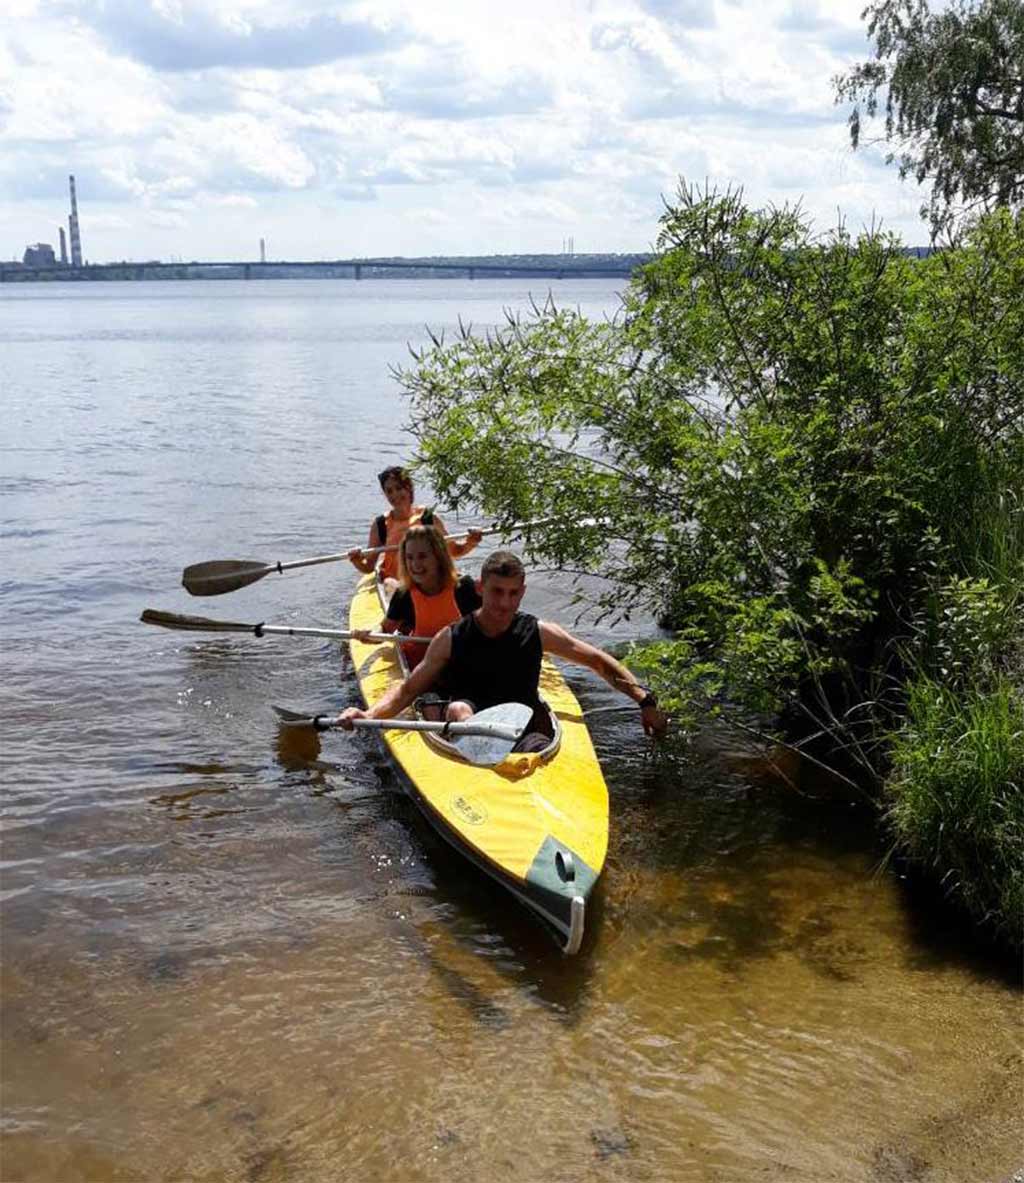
{"x":438,"y":544}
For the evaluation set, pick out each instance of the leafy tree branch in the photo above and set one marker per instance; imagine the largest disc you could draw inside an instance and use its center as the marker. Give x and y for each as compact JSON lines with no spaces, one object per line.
{"x":952,"y":92}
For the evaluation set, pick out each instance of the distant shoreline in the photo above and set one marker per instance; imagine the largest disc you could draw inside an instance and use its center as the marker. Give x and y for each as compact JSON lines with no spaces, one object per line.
{"x":435,"y":267}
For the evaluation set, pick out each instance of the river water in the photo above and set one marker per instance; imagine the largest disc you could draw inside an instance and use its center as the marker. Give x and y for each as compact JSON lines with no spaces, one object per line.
{"x":231,"y":954}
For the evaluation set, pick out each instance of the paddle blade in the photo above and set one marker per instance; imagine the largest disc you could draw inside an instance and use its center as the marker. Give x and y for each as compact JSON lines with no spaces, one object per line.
{"x":192,"y":624}
{"x":487,"y":750}
{"x":296,"y":719}
{"x":222,"y":575}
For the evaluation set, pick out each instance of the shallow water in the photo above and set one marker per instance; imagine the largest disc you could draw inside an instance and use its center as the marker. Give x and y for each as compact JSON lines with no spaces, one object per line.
{"x":232,"y":953}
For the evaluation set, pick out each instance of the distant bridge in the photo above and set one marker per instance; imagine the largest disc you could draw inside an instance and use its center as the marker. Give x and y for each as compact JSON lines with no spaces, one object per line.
{"x":552,"y":267}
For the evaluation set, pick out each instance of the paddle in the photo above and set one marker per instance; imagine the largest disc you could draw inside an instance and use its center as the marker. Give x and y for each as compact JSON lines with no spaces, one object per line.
{"x":202,"y":624}
{"x":485,"y":739}
{"x":218,"y":576}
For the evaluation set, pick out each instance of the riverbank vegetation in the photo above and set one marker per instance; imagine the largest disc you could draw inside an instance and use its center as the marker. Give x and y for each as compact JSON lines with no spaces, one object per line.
{"x":805,"y":455}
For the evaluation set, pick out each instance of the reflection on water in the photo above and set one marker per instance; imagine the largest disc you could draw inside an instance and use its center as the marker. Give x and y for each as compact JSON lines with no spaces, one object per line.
{"x":236,"y":952}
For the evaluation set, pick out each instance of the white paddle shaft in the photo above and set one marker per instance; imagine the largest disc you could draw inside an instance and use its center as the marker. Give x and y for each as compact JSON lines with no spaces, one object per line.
{"x":340,"y":634}
{"x":373,"y":551}
{"x":491,"y":730}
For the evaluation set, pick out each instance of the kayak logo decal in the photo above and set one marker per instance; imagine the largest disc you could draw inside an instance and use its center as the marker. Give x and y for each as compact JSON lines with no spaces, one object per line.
{"x":469,"y":809}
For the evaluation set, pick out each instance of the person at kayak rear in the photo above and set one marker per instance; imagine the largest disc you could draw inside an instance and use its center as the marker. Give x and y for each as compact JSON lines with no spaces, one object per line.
{"x":389,"y":529}
{"x":430,"y":594}
{"x":493,"y":656}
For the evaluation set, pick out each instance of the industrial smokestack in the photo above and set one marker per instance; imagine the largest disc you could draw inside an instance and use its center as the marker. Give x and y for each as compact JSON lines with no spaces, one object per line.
{"x":63,"y":247}
{"x":76,"y":241}
{"x":263,"y":251}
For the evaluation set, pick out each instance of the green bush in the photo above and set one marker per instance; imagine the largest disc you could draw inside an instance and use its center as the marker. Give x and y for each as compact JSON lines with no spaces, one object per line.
{"x":804,"y":453}
{"x":789,"y":441}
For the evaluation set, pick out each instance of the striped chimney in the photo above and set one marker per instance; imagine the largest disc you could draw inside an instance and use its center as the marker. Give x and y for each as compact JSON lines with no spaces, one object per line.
{"x":76,"y":241}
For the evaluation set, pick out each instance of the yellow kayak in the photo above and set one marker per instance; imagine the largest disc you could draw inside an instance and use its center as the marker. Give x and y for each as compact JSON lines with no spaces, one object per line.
{"x":536,"y":822}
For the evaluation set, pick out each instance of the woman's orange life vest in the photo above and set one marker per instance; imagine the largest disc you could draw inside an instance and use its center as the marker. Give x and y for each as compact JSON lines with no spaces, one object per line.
{"x":394,"y":532}
{"x":432,"y":613}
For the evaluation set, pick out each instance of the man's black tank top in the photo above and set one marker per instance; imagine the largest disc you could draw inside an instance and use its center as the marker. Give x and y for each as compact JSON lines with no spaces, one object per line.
{"x":491,"y":670}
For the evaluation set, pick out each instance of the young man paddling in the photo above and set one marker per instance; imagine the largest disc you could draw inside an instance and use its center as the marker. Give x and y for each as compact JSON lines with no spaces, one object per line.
{"x":493,"y":655}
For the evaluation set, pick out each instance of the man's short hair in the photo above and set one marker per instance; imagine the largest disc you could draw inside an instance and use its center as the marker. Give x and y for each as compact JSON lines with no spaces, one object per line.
{"x":503,"y":563}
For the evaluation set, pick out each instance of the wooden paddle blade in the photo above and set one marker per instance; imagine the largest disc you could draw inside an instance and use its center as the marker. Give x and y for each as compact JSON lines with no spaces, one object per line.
{"x":222,"y":575}
{"x":193,"y":624}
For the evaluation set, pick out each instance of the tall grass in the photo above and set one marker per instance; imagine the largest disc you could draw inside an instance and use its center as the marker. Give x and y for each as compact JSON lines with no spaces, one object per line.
{"x":956,"y":795}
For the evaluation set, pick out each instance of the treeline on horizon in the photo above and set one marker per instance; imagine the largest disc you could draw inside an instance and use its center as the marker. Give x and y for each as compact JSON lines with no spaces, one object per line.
{"x":434,"y":266}
{"x":420,"y":267}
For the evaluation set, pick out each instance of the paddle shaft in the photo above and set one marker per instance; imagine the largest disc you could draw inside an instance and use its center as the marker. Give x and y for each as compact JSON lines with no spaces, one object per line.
{"x":493,"y":730}
{"x":374,"y":551}
{"x":202,"y":624}
{"x":470,"y":727}
{"x":218,"y":576}
{"x":339,"y":634}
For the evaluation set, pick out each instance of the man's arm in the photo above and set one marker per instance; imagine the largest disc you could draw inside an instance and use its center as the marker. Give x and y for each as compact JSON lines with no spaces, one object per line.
{"x":561,"y":643}
{"x":418,"y":682}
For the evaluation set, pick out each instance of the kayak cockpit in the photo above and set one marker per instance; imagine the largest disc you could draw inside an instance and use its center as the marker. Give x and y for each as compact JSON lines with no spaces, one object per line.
{"x":542,"y":737}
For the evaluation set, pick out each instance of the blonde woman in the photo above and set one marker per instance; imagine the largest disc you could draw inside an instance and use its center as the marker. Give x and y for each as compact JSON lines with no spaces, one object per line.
{"x":430,"y":593}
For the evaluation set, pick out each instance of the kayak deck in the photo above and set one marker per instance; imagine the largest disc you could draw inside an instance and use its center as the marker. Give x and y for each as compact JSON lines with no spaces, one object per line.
{"x":536,"y":823}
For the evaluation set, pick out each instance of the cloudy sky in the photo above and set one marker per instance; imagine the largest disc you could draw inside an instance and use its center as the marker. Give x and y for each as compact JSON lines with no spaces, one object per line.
{"x":418,"y":127}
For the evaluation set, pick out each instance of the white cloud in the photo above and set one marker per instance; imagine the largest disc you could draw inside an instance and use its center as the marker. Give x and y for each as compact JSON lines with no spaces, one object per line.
{"x":179,"y":35}
{"x":239,"y":200}
{"x":447,"y":127}
{"x":166,"y":220}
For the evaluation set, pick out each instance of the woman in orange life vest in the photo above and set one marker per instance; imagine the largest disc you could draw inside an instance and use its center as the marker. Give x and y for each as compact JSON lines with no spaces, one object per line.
{"x":389,"y":529}
{"x":431,"y":595}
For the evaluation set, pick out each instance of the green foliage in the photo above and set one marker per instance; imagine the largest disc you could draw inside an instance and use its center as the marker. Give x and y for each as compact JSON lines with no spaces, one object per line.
{"x":953,"y":86}
{"x":790,"y":444}
{"x":973,"y":623}
{"x":806,"y":456}
{"x":956,"y":796}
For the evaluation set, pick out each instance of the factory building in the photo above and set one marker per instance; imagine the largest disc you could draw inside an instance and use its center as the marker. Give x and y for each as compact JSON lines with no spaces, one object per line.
{"x":39,"y":255}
